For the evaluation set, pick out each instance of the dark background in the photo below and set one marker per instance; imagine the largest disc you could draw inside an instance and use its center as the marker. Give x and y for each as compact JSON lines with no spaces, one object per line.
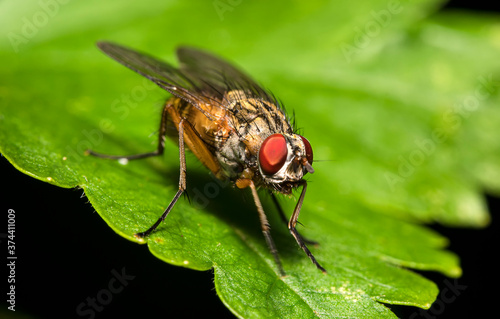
{"x":52,"y":280}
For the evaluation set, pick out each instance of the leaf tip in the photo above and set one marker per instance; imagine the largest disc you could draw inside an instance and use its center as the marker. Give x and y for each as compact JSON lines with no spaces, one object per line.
{"x":455,"y":272}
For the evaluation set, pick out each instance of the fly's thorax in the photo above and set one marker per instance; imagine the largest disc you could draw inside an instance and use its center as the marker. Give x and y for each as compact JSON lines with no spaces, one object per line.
{"x":253,"y":118}
{"x":253,"y":122}
{"x":232,"y":155}
{"x":253,"y":113}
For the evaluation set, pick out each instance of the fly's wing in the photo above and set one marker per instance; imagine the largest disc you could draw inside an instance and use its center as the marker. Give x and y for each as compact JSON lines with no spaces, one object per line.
{"x":216,"y":76}
{"x":161,"y":73}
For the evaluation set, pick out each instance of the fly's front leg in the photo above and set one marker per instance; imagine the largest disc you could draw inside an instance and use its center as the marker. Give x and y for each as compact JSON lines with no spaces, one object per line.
{"x":157,"y":152}
{"x":285,"y":220}
{"x":182,"y":184}
{"x":293,"y":222}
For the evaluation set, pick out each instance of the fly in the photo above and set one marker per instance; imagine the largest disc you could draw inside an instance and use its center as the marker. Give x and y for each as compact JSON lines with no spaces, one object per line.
{"x":235,"y":128}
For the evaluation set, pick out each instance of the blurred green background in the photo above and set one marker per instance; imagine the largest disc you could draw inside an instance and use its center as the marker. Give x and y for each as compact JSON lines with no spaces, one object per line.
{"x":285,"y":48}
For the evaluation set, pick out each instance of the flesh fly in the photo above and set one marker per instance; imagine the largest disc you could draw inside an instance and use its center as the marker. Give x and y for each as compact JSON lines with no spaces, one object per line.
{"x":234,"y":127}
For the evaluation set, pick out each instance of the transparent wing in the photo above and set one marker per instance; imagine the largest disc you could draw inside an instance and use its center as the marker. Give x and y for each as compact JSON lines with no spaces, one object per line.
{"x":216,"y":76}
{"x":164,"y":75}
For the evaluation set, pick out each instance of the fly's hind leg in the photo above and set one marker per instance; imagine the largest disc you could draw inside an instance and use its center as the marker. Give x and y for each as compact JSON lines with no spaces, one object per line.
{"x":182,"y":184}
{"x":190,"y":137}
{"x":157,"y":152}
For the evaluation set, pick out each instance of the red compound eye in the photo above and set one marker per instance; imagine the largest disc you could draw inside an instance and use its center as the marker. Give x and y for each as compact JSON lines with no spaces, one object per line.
{"x":273,"y":154}
{"x":309,"y":150}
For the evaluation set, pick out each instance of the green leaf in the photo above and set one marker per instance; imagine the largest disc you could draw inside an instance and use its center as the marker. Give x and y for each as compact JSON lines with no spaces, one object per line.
{"x":401,"y":108}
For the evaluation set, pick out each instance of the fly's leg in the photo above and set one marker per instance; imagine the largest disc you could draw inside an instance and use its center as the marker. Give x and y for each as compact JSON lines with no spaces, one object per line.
{"x":293,"y":231}
{"x":266,"y":228}
{"x":182,"y":184}
{"x":285,"y":220}
{"x":157,"y":152}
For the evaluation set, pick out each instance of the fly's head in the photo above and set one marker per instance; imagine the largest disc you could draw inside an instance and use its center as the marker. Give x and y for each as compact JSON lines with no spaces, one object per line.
{"x":285,"y":158}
